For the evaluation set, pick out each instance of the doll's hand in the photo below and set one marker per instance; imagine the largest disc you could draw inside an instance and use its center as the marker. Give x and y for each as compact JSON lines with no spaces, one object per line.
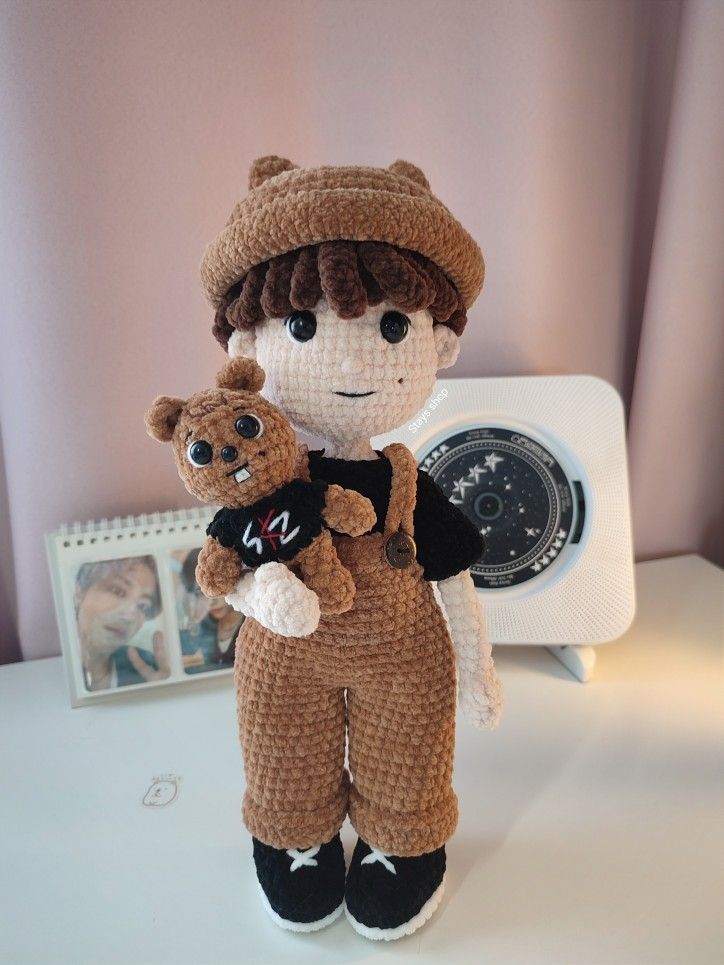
{"x":277,"y":599}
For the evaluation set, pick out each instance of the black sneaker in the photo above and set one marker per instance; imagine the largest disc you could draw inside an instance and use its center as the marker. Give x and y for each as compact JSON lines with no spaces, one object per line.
{"x":303,"y":890}
{"x":388,"y":897}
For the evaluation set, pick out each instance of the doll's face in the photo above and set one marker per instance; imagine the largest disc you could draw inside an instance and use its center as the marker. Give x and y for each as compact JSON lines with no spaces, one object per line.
{"x":345,"y":378}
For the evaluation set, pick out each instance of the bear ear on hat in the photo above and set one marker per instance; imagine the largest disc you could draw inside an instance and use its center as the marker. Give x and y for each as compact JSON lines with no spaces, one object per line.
{"x":411,"y":171}
{"x":241,"y":373}
{"x":162,"y":417}
{"x":267,"y":167}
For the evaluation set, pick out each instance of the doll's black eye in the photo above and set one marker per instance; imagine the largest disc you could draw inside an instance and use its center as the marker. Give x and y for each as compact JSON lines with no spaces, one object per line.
{"x":249,"y":426}
{"x":200,"y":453}
{"x":394,"y":326}
{"x":301,"y":326}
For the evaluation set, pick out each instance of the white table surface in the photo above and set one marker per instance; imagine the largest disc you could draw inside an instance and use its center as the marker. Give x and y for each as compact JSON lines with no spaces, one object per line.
{"x":591,"y":829}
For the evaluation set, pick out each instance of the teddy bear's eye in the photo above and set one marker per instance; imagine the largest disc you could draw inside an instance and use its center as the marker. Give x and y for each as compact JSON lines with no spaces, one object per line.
{"x":394,"y":326}
{"x":301,"y":326}
{"x":200,"y":453}
{"x":249,"y":426}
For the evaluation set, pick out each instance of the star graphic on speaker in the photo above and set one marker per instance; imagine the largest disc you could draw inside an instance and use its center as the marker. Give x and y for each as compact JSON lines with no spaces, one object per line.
{"x":477,"y":471}
{"x":492,"y":460}
{"x":460,"y":485}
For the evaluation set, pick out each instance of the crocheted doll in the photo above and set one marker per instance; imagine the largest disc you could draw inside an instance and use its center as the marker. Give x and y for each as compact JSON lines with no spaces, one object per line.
{"x":233,"y":447}
{"x":350,"y":286}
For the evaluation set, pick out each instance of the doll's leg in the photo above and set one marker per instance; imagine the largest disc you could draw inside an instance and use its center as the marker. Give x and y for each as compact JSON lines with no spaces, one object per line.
{"x":402,"y":805}
{"x":292,"y":734}
{"x":401,"y":744}
{"x":323,"y":573}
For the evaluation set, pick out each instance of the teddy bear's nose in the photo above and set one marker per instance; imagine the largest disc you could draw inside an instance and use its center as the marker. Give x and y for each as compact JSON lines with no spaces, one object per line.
{"x":229,"y":454}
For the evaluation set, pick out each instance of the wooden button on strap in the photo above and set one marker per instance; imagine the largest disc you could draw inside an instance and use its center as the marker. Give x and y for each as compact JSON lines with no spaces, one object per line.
{"x":400,"y":550}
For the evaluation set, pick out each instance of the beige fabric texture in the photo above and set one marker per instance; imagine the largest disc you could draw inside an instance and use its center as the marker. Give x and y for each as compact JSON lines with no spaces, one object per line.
{"x":393,"y":656}
{"x":288,"y":207}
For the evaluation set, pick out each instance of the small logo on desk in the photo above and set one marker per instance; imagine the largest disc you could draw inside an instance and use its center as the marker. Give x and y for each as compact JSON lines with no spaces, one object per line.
{"x":162,"y":792}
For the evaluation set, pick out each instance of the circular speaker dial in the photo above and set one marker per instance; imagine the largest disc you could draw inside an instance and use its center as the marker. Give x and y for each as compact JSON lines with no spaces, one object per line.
{"x":515,"y":492}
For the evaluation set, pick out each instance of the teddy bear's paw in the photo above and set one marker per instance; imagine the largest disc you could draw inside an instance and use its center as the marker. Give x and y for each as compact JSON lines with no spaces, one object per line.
{"x":337,"y":596}
{"x":282,"y":603}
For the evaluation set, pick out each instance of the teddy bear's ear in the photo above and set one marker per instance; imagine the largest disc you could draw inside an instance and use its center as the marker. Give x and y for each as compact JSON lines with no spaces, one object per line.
{"x":267,"y":167}
{"x":411,"y":171}
{"x":241,"y":373}
{"x":162,"y":417}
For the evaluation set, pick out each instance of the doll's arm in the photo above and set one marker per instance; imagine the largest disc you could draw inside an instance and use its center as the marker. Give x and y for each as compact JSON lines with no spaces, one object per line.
{"x":277,"y":599}
{"x":218,"y":568}
{"x":348,"y":511}
{"x":480,"y":693}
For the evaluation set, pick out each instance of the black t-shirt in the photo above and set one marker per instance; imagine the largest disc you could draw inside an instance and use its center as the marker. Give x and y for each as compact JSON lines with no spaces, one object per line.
{"x":275,"y":528}
{"x":447,"y":542}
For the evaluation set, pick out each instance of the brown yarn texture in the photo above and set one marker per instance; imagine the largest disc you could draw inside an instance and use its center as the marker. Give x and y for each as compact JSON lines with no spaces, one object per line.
{"x":351,"y":275}
{"x":218,"y":569}
{"x":273,"y":460}
{"x":392,"y":656}
{"x":288,"y":208}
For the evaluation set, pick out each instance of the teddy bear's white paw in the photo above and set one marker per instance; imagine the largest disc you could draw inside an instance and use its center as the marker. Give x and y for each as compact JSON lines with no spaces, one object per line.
{"x":277,"y":599}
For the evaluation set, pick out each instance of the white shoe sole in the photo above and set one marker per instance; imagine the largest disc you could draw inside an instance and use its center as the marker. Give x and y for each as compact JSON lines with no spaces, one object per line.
{"x":390,"y":934}
{"x":298,"y":926}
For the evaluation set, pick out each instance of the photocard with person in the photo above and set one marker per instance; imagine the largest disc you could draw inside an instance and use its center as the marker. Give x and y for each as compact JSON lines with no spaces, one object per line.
{"x":207,"y":627}
{"x":118,"y":614}
{"x":130,"y":613}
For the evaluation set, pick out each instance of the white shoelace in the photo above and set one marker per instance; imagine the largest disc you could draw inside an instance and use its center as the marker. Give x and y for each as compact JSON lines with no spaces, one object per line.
{"x":384,"y":859}
{"x":303,"y":859}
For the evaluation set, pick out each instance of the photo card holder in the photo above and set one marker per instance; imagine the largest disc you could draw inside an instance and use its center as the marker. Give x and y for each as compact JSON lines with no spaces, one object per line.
{"x":130,"y":613}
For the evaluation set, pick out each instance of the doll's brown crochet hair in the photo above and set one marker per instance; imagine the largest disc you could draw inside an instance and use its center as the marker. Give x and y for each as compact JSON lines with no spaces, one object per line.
{"x":351,"y":275}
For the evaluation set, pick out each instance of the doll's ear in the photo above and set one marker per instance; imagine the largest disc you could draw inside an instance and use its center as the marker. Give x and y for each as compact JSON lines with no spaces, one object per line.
{"x":411,"y":171}
{"x":242,"y":343}
{"x":267,"y":167}
{"x":447,"y":345}
{"x":241,"y":373}
{"x":162,"y":417}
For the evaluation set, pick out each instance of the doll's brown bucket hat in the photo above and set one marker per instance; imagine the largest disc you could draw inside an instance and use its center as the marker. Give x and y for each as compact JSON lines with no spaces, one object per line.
{"x":288,"y":207}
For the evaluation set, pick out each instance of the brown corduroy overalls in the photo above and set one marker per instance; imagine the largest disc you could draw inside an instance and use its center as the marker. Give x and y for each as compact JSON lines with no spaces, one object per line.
{"x":393,"y":657}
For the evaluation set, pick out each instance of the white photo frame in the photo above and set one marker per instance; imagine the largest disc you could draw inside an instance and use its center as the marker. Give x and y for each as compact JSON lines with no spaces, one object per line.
{"x":130,"y":614}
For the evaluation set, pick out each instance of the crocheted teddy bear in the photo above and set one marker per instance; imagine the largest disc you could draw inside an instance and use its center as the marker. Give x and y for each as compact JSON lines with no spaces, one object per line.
{"x":233,"y":447}
{"x":350,"y":286}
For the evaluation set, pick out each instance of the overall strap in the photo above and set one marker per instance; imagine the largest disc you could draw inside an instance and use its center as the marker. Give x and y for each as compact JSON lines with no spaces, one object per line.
{"x":403,"y":491}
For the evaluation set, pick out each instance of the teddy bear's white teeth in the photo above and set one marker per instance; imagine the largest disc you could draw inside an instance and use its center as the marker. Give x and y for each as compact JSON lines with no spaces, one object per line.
{"x":242,"y":474}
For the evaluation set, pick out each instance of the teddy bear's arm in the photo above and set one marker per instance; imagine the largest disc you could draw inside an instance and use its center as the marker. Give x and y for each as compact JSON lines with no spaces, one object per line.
{"x":348,"y":511}
{"x":481,"y":696}
{"x":218,"y":568}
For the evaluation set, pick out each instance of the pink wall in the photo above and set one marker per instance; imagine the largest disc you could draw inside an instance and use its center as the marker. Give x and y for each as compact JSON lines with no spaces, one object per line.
{"x":128,"y":131}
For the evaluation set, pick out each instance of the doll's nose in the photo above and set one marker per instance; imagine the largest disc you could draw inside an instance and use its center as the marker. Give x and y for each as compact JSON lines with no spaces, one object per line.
{"x":352,"y":365}
{"x":229,"y":454}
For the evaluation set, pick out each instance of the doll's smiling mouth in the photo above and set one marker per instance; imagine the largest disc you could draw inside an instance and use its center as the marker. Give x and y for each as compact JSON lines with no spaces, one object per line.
{"x":241,"y":473}
{"x":354,"y":395}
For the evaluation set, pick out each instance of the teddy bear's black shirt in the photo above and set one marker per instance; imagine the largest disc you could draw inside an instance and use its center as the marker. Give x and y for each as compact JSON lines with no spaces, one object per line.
{"x":275,"y":528}
{"x":447,"y":542}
